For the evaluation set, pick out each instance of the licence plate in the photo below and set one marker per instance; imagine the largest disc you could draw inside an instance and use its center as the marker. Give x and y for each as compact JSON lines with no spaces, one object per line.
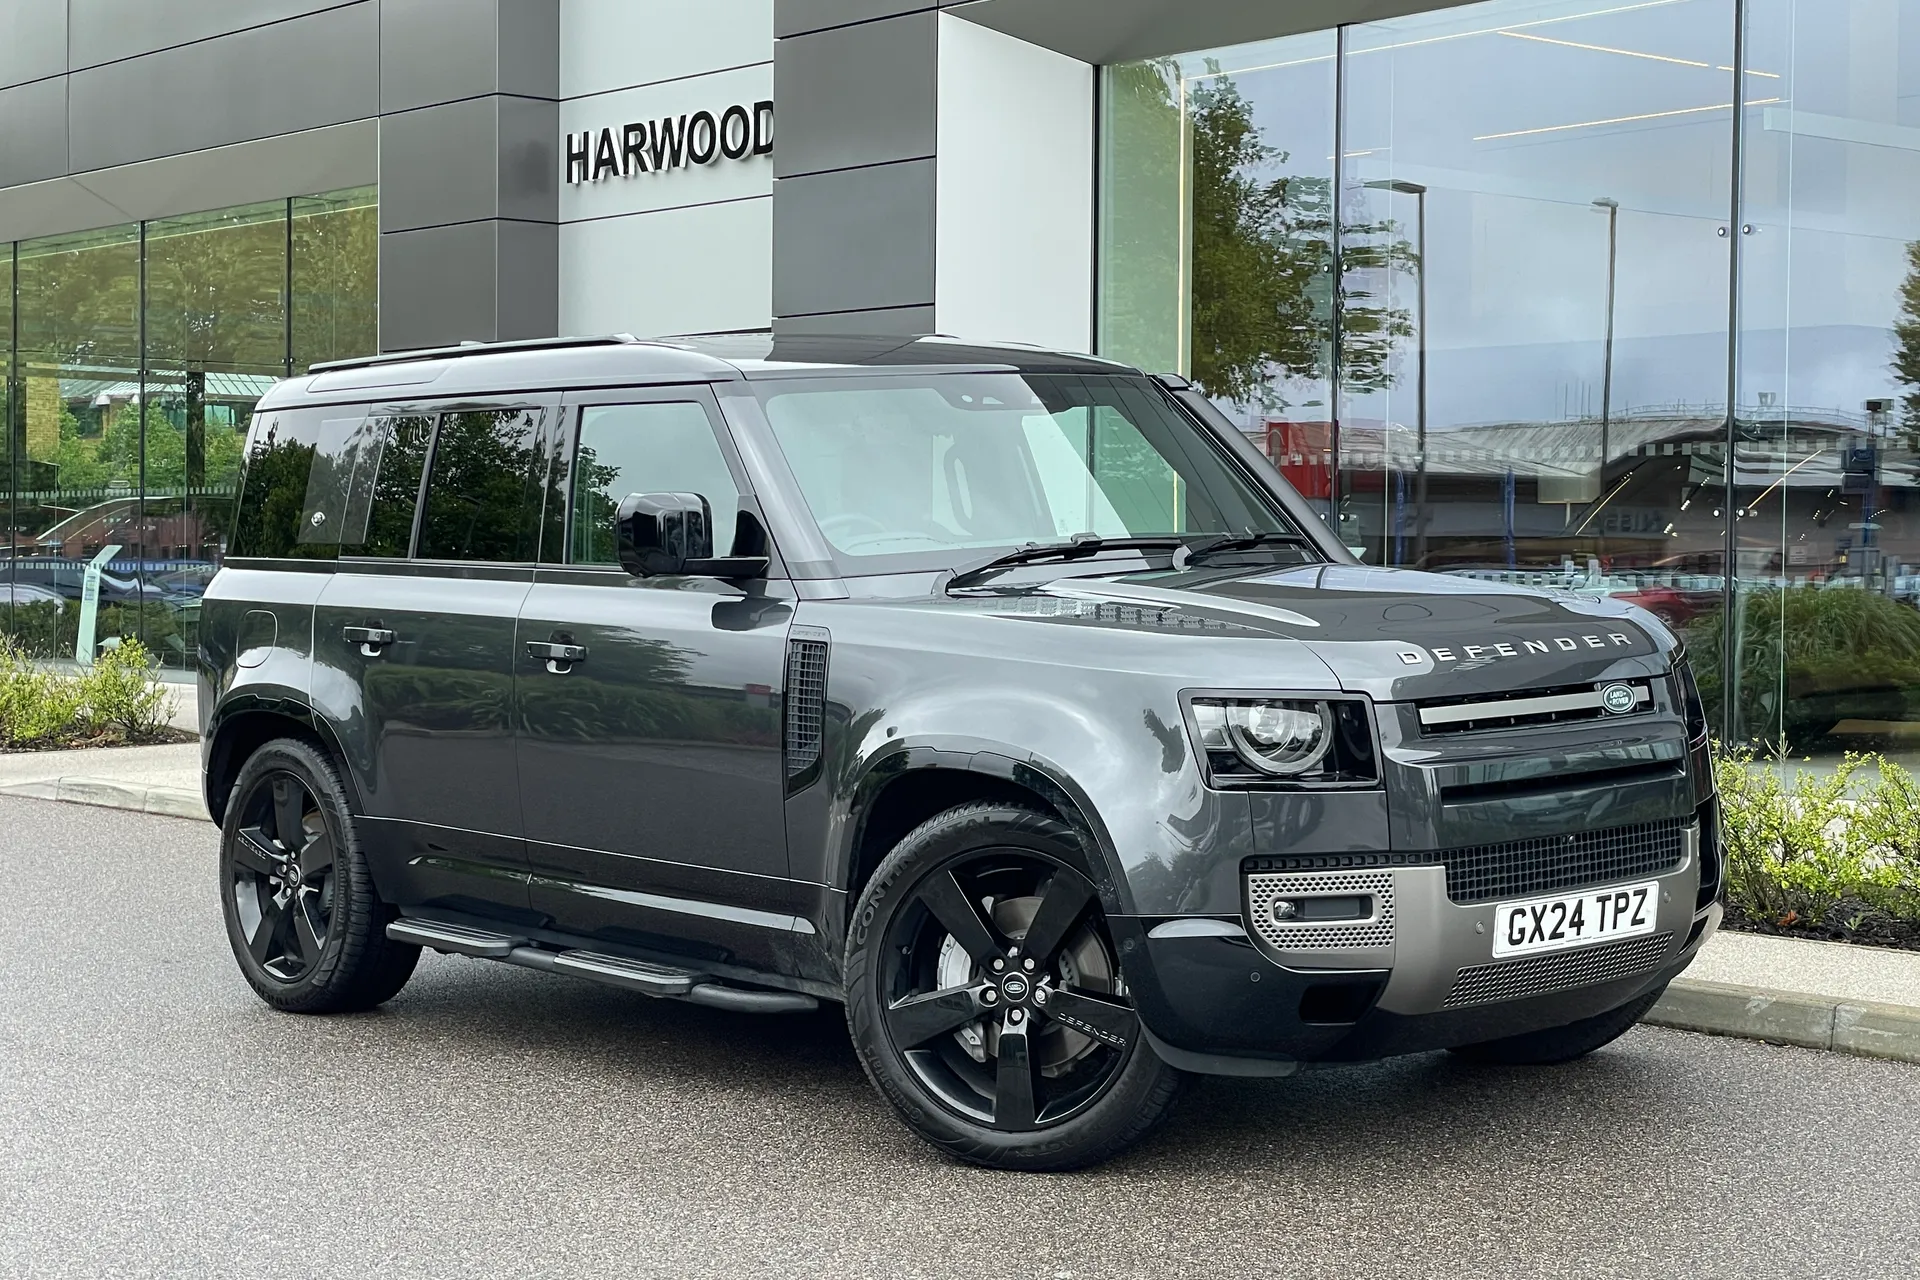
{"x":1575,"y":919}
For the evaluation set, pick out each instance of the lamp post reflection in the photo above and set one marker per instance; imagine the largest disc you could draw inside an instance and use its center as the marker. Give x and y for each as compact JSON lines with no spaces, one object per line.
{"x":1419,"y":194}
{"x":1612,"y":207}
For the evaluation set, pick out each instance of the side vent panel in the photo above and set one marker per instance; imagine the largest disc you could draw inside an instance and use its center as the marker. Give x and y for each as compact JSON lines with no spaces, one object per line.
{"x":803,"y":706}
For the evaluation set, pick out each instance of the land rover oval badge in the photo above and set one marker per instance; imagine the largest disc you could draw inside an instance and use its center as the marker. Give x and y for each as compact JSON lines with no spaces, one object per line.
{"x":1618,"y":699}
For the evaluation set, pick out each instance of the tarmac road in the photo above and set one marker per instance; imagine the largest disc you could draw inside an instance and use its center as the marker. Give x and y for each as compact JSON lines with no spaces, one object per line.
{"x":156,"y":1119}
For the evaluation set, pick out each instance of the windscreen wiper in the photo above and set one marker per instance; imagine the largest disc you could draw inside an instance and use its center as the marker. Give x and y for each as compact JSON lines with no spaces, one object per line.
{"x":1243,"y":542}
{"x":1077,"y":547}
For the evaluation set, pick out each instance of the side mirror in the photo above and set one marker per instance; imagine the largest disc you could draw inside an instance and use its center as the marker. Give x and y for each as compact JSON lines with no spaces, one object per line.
{"x":667,"y":534}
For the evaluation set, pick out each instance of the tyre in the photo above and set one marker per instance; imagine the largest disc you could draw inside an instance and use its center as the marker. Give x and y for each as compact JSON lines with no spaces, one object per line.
{"x":302,"y":915}
{"x":985,"y":999}
{"x":1563,"y":1044}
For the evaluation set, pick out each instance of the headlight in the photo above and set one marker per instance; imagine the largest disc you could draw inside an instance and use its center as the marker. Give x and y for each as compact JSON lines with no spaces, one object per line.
{"x":1317,"y":740}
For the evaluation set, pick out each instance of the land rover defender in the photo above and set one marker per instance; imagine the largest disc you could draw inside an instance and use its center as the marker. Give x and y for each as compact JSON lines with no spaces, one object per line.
{"x":1010,"y":698}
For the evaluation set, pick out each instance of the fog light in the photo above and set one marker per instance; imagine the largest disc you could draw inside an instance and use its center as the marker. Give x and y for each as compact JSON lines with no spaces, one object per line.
{"x":1285,"y":910}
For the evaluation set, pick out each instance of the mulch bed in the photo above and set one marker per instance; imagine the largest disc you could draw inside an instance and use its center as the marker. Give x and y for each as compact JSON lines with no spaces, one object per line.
{"x":112,"y":738}
{"x":1846,"y":923}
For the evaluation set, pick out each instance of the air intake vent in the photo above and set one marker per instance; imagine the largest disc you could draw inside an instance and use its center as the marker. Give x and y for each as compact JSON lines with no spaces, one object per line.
{"x":1525,"y":710}
{"x":804,"y":705}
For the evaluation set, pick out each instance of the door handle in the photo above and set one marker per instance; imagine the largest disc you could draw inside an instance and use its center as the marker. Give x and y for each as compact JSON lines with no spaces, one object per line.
{"x":370,"y":639}
{"x":560,"y":657}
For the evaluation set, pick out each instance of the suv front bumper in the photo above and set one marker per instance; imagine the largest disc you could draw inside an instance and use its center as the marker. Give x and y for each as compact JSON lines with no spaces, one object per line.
{"x":1427,"y":980}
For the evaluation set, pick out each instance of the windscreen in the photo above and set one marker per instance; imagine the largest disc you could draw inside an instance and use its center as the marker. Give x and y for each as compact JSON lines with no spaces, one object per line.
{"x":963,"y":463}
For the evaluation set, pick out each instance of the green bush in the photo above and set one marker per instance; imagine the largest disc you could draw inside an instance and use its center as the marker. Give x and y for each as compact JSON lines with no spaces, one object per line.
{"x":115,"y":700}
{"x":1836,"y":854}
{"x":1810,"y":657}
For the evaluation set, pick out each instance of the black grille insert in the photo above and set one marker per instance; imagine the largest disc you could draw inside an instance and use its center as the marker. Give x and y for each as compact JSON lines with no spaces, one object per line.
{"x":1524,"y":709}
{"x":804,"y":704}
{"x":1543,"y":864}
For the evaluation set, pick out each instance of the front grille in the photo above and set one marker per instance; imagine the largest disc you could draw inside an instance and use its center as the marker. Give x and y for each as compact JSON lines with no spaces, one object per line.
{"x":1517,"y":979}
{"x":1329,"y":935}
{"x":1543,"y":864}
{"x":1526,"y":708}
{"x":803,"y":706}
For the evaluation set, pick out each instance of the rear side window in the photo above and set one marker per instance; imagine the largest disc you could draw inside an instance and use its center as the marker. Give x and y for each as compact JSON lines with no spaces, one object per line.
{"x":483,"y":495}
{"x":326,"y":482}
{"x":662,"y":447}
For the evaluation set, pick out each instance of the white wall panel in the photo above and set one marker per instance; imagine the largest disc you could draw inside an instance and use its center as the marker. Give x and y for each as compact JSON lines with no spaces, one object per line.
{"x":1014,"y":202}
{"x":722,"y":179}
{"x":615,"y":44}
{"x":705,"y":269}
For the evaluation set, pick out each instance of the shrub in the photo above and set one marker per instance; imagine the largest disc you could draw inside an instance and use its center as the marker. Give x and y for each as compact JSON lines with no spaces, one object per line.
{"x":1835,"y":854}
{"x":116,"y":697}
{"x":1809,"y":658}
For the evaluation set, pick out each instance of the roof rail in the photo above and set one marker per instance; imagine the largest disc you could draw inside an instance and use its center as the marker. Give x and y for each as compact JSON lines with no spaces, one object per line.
{"x":471,"y":348}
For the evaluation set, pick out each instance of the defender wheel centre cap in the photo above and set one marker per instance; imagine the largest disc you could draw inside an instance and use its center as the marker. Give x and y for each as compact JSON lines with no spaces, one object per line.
{"x":1015,"y":987}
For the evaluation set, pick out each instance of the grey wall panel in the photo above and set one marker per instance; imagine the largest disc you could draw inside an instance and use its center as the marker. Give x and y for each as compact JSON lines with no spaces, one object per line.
{"x":33,"y":131}
{"x":797,"y":17}
{"x":1104,"y":31}
{"x":528,"y":295}
{"x":437,"y":286}
{"x":108,"y":30}
{"x":437,"y":165}
{"x":293,"y":164}
{"x":290,"y":76}
{"x":530,"y":48}
{"x":854,"y":239}
{"x":856,"y":95}
{"x":888,"y":320}
{"x":434,"y":51}
{"x":528,"y":149}
{"x":33,"y":40}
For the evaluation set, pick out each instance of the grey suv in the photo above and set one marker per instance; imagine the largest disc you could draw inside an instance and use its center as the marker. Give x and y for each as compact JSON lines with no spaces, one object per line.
{"x":1009,"y":698}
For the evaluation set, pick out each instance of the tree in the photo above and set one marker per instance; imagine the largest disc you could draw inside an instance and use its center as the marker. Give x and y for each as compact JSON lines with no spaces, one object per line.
{"x":1906,"y":357}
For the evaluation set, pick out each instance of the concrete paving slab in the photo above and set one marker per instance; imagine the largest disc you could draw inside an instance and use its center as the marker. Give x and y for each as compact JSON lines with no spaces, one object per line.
{"x":161,"y":780}
{"x":1836,"y":970}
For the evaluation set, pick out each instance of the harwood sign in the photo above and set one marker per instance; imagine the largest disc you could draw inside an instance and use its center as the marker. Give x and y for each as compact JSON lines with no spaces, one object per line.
{"x":672,"y":142}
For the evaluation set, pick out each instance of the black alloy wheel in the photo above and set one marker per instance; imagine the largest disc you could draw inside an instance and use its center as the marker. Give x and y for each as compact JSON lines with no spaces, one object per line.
{"x":986,"y":996}
{"x":306,"y":924}
{"x":282,"y":878}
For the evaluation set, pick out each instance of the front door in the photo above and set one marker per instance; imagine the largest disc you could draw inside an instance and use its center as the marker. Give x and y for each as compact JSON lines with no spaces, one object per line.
{"x":650,"y":767}
{"x":413,"y":645}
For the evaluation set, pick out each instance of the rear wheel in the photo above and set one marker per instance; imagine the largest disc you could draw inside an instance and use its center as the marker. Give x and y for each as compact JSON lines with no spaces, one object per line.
{"x":985,"y":998}
{"x":302,"y":915}
{"x":1563,"y":1044}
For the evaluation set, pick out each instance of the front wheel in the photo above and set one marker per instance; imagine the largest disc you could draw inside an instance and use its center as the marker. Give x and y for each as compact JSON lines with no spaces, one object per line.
{"x":1556,"y":1045}
{"x":302,"y":915}
{"x":985,"y":999}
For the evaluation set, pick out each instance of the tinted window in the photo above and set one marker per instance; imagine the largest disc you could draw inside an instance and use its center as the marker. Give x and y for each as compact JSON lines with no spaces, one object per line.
{"x":365,"y":483}
{"x":483,"y":497}
{"x":274,"y":487}
{"x":667,"y":447}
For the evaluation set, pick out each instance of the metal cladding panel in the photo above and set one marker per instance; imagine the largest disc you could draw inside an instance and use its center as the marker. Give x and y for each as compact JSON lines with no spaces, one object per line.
{"x":527,"y":296}
{"x":437,"y":285}
{"x":33,"y":132}
{"x":436,"y":165}
{"x":854,"y":240}
{"x":111,"y":30}
{"x":434,"y":51}
{"x":617,"y":44}
{"x":797,"y":17}
{"x":301,"y":74}
{"x":33,"y":40}
{"x":701,"y":269}
{"x":858,"y":95}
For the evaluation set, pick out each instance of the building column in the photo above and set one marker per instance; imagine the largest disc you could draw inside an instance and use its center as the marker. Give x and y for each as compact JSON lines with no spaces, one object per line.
{"x":469,"y":171}
{"x":931,"y":176}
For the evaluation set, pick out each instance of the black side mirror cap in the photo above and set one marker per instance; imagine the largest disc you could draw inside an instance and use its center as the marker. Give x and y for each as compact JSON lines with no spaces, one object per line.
{"x":668,"y":534}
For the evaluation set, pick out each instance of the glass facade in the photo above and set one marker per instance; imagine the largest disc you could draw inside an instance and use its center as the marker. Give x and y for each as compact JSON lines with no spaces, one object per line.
{"x":133,"y":357}
{"x":1628,"y":300}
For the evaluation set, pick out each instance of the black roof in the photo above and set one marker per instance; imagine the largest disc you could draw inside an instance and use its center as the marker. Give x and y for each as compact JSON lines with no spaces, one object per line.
{"x":491,"y":368}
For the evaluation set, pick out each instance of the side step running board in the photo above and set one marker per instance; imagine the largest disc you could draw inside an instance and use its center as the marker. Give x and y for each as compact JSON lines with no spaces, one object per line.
{"x":457,"y":938}
{"x":658,"y":980}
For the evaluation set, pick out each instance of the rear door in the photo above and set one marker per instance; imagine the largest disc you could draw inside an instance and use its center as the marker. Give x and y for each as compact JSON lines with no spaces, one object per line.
{"x":650,"y":769}
{"x":413,"y":641}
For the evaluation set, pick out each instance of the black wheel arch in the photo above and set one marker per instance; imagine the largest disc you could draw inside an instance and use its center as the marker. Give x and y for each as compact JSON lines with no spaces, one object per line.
{"x":242,"y":726}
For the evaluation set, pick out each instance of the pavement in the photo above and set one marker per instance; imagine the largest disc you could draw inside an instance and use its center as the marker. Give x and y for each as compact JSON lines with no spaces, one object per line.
{"x":157,"y":1120}
{"x":1820,"y":995}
